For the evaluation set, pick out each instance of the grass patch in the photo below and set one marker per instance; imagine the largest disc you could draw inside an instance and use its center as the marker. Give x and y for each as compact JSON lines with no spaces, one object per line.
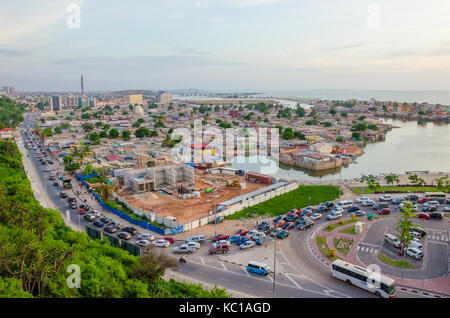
{"x":400,"y":264}
{"x":321,"y":242}
{"x":349,"y":230}
{"x":358,"y":190}
{"x":297,"y":199}
{"x":93,"y":180}
{"x":333,"y":226}
{"x":343,"y":250}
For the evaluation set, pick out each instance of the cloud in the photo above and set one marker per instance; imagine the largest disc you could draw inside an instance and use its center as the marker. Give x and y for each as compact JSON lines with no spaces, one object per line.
{"x":218,"y":20}
{"x":187,"y":51}
{"x":345,"y":47}
{"x":415,"y":53}
{"x":13,"y":53}
{"x":248,"y":3}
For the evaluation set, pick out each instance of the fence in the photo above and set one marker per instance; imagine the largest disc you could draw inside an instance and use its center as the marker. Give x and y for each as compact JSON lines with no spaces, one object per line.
{"x":142,"y":224}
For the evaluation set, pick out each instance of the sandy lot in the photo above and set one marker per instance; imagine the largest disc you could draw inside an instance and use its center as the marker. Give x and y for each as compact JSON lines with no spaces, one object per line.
{"x":191,"y":209}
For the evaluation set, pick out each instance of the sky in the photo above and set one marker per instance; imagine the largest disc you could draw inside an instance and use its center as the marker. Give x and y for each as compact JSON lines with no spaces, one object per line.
{"x":252,"y":45}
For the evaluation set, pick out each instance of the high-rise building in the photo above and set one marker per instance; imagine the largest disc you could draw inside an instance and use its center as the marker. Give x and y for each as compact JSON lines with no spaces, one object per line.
{"x":134,"y":99}
{"x":70,"y":101}
{"x":82,"y":102}
{"x":82,"y":85}
{"x":92,"y":101}
{"x":8,"y":90}
{"x":55,"y":103}
{"x":164,"y":98}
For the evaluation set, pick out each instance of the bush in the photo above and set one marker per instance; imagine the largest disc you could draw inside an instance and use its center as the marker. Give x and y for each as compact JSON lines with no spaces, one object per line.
{"x":331,"y":252}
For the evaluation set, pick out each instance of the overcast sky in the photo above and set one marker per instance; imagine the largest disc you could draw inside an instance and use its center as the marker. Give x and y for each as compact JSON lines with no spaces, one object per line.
{"x":226,"y":44}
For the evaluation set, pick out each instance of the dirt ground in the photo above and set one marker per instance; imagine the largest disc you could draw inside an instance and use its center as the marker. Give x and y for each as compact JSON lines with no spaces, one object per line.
{"x":191,"y":209}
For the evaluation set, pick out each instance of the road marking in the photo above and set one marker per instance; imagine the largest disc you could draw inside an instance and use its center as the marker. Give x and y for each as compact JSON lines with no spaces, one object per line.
{"x":247,"y":285}
{"x":223,"y":266}
{"x":271,"y":279}
{"x":201,"y":259}
{"x":371,"y":250}
{"x":443,"y":238}
{"x":358,"y":247}
{"x":293,"y":281}
{"x":245,"y":271}
{"x":369,"y":244}
{"x":224,"y":279}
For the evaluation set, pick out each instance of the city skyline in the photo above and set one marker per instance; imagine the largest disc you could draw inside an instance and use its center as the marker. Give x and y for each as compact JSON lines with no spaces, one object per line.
{"x":226,"y":45}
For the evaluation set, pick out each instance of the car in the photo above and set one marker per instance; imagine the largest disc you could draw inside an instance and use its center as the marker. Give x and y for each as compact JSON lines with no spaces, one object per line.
{"x":437,"y":215}
{"x":81,"y":211}
{"x":316,"y":216}
{"x":380,"y":205}
{"x":117,"y":225}
{"x":196,"y":238}
{"x":247,"y":244}
{"x":423,"y":215}
{"x":219,"y":237}
{"x":223,"y":249}
{"x":433,"y":202}
{"x":169,"y":239}
{"x":334,"y":216}
{"x":358,"y":213}
{"x":96,"y":213}
{"x":305,"y":225}
{"x":89,"y":217}
{"x":415,"y":234}
{"x":321,"y":209}
{"x":217,"y":243}
{"x":419,"y":230}
{"x":412,"y":197}
{"x":267,"y":229}
{"x":72,"y":199}
{"x":52,"y":177}
{"x":429,"y":208}
{"x":98,"y":223}
{"x":290,"y":218}
{"x":368,"y":203}
{"x":257,"y":236}
{"x":251,"y":233}
{"x":110,"y":228}
{"x":160,"y":243}
{"x":303,"y":219}
{"x":384,"y":211}
{"x":288,"y":226}
{"x":397,"y":201}
{"x":414,"y":253}
{"x":241,"y":240}
{"x":278,"y":218}
{"x":352,"y":209}
{"x":447,"y":209}
{"x":63,"y":194}
{"x":276,"y":231}
{"x":262,"y":225}
{"x":280,"y":223}
{"x":242,"y":232}
{"x":73,"y":205}
{"x":335,"y":210}
{"x":146,"y":237}
{"x":194,"y":245}
{"x":386,"y":197}
{"x":283,"y":234}
{"x":362,"y":199}
{"x":416,"y":244}
{"x":130,"y":229}
{"x":105,"y":220}
{"x":55,"y":184}
{"x":234,"y":238}
{"x":142,"y":243}
{"x":43,"y":162}
{"x":424,"y":200}
{"x":392,"y":240}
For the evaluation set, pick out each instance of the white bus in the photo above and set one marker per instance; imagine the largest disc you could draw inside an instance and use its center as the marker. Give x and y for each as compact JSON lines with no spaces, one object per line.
{"x":358,"y":276}
{"x":437,"y":196}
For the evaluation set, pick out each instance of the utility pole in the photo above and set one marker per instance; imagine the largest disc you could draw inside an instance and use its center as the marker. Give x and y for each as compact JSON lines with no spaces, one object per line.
{"x":274,"y":265}
{"x":214,"y":208}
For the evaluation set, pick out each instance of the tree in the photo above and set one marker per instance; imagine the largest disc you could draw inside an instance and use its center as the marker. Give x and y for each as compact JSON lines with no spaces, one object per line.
{"x":405,"y":224}
{"x":103,"y":134}
{"x":142,"y":132}
{"x":332,"y":111}
{"x":340,"y":139}
{"x":443,"y":183}
{"x":57,"y":130}
{"x":159,"y":124}
{"x":300,"y":111}
{"x":288,"y":134}
{"x":359,"y":127}
{"x":416,"y":180}
{"x":356,"y":135}
{"x":113,"y":133}
{"x":126,"y":135}
{"x":371,"y":181}
{"x":151,"y":268}
{"x":372,"y":127}
{"x":87,"y":127}
{"x":106,"y":189}
{"x":391,"y":178}
{"x":344,"y":114}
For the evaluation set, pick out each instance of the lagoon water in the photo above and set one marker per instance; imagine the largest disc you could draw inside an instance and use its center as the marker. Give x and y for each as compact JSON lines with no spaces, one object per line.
{"x":413,"y":146}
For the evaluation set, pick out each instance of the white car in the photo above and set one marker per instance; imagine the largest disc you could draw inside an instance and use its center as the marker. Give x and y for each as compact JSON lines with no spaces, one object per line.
{"x":146,"y":236}
{"x":316,"y":216}
{"x":362,"y":199}
{"x":447,"y":209}
{"x":258,"y":235}
{"x":194,"y":245}
{"x":247,"y":244}
{"x":334,"y":216}
{"x":337,"y":210}
{"x":435,"y":203}
{"x":251,"y":233}
{"x":386,"y":197}
{"x":215,"y":244}
{"x":47,"y":169}
{"x":417,"y":245}
{"x":276,"y":231}
{"x":143,"y":243}
{"x":196,"y":238}
{"x":414,"y":253}
{"x":184,"y":248}
{"x":368,"y":203}
{"x":161,"y":243}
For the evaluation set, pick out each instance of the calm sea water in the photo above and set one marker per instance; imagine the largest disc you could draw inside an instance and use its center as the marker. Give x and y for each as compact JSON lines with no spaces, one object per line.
{"x":413,"y":146}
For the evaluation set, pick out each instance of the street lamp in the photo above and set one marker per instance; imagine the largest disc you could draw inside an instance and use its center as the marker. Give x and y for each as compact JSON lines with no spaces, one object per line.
{"x":274,"y":265}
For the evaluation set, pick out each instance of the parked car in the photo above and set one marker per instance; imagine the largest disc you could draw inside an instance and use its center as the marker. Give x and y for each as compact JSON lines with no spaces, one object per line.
{"x":124,"y":235}
{"x":105,"y":220}
{"x":247,"y":244}
{"x":234,"y":238}
{"x":419,"y":230}
{"x":290,"y":218}
{"x":276,"y":231}
{"x":316,"y":216}
{"x":63,"y":194}
{"x":280,"y":223}
{"x":414,"y":253}
{"x":397,"y":201}
{"x":358,"y":213}
{"x":250,"y":234}
{"x":131,"y":230}
{"x":52,"y":177}
{"x":380,"y":205}
{"x":219,"y":237}
{"x":195,"y":245}
{"x":262,"y":225}
{"x":424,"y":200}
{"x":73,"y":205}
{"x":110,"y":228}
{"x":352,"y":209}
{"x":267,"y":229}
{"x":447,"y":209}
{"x":368,"y":203}
{"x":226,"y":242}
{"x":196,"y":238}
{"x":303,"y":219}
{"x":84,"y":207}
{"x":278,"y":218}
{"x":412,"y":197}
{"x":146,"y":237}
{"x":392,"y":240}
{"x":334,"y":216}
{"x":416,"y":244}
{"x":429,"y":208}
{"x":223,"y":249}
{"x":321,"y":209}
{"x":257,"y":236}
{"x":283,"y":234}
{"x":362,"y":199}
{"x":415,"y":234}
{"x":423,"y":215}
{"x":98,"y":223}
{"x":437,"y":215}
{"x":288,"y":225}
{"x":89,"y":217}
{"x":241,"y":240}
{"x":305,"y":225}
{"x":384,"y":211}
{"x":142,"y":243}
{"x":81,"y":211}
{"x":160,"y":242}
{"x":184,"y":248}
{"x":169,"y":239}
{"x":386,"y":197}
{"x":242,"y":232}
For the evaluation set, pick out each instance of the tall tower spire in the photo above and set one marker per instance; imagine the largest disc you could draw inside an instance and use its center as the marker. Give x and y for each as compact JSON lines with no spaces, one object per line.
{"x":82,"y":85}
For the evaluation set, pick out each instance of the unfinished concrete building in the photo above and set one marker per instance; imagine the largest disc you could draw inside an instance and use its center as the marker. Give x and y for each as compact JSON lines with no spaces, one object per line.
{"x":165,"y":178}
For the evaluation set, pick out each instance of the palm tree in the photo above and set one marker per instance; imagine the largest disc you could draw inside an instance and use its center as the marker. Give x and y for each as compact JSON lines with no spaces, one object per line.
{"x":106,"y":189}
{"x":405,"y":224}
{"x":75,"y":152}
{"x":391,"y":178}
{"x":83,"y":153}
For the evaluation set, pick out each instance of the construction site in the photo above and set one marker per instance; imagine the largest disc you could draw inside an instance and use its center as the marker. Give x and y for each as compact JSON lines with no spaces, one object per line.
{"x":189,"y":194}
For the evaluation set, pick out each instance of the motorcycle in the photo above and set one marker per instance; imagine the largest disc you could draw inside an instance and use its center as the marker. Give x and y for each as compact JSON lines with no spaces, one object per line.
{"x":183,"y":259}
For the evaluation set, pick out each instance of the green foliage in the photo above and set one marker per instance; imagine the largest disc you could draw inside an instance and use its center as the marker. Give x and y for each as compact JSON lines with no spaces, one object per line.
{"x":372,"y":127}
{"x":10,"y":112}
{"x":57,"y":130}
{"x":113,"y":133}
{"x":340,"y":139}
{"x":391,"y":178}
{"x":142,"y":132}
{"x":126,"y":135}
{"x":87,"y":127}
{"x":288,"y":134}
